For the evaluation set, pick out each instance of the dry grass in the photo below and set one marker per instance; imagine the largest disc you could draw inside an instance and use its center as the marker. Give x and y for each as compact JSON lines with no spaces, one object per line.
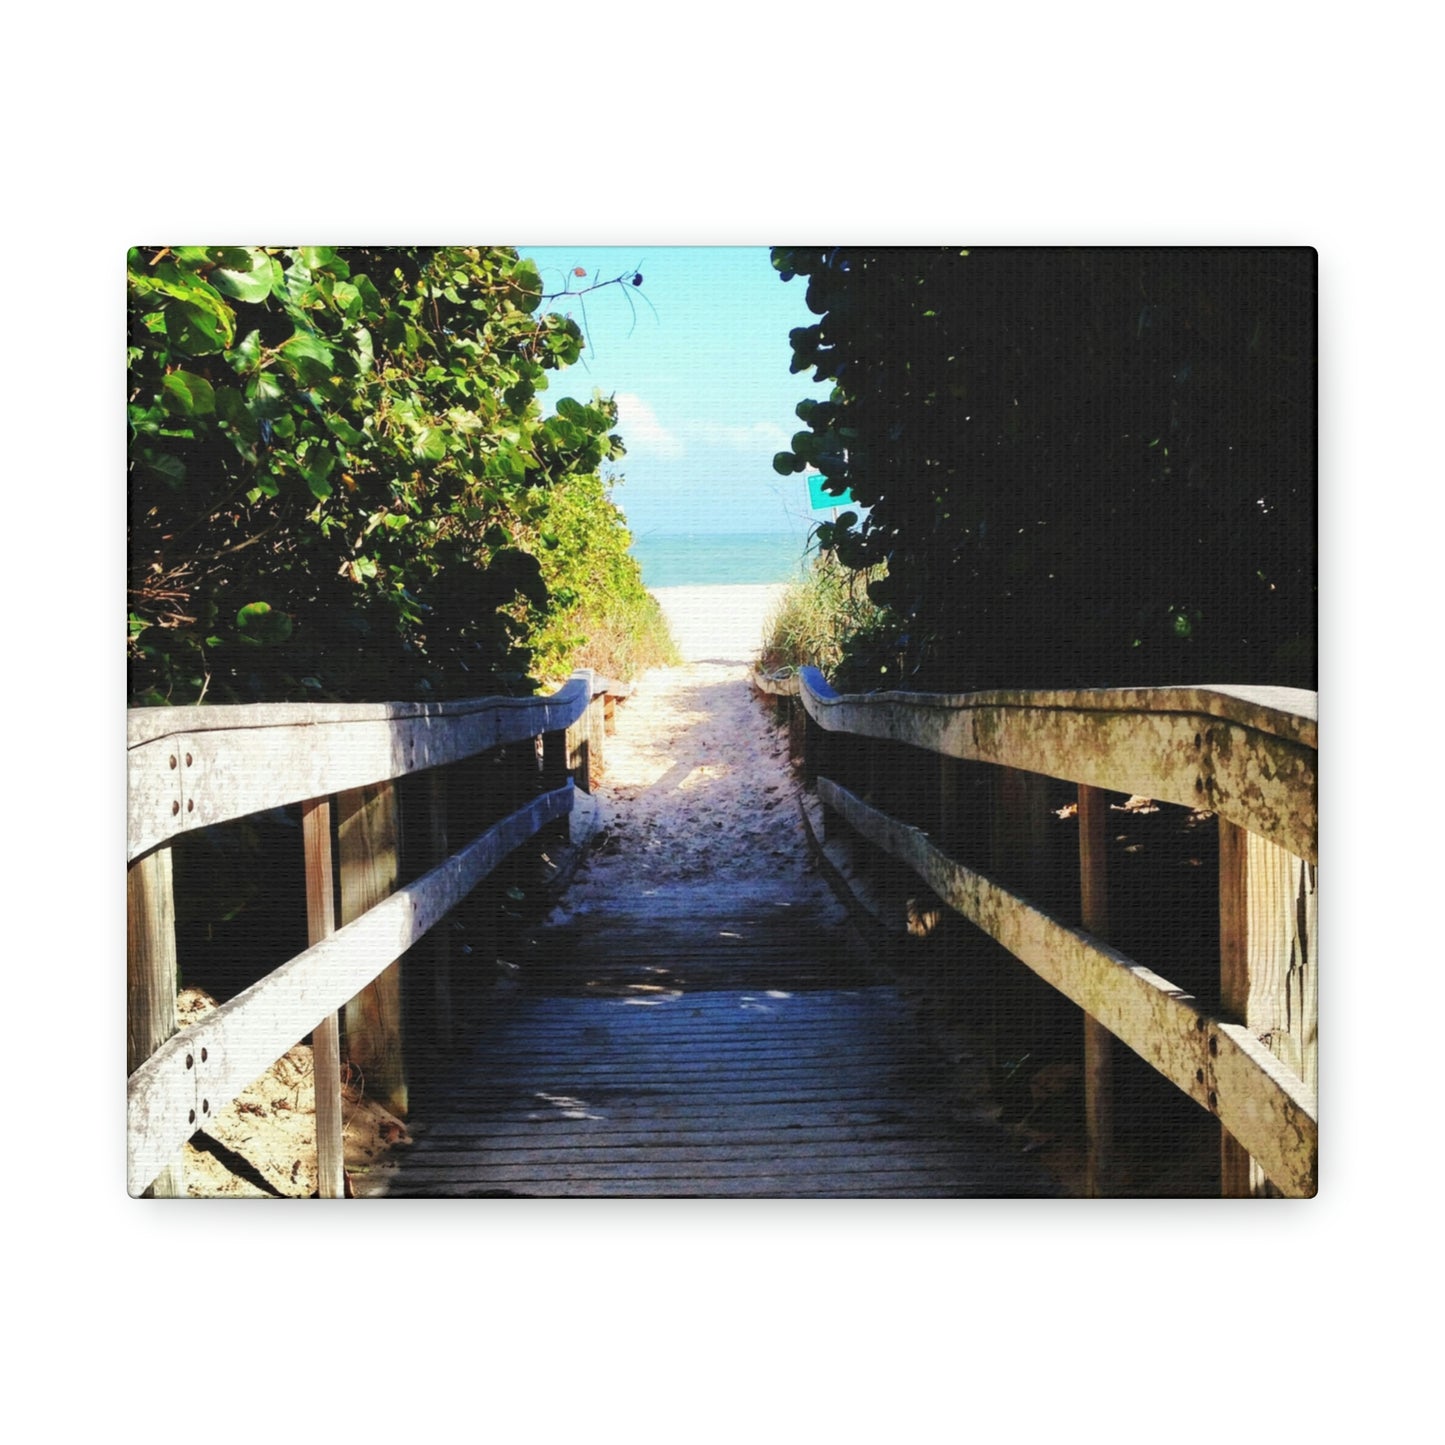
{"x":817,"y":615}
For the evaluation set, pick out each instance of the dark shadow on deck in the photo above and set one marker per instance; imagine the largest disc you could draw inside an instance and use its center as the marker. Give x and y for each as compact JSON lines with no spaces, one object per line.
{"x":748,"y":1052}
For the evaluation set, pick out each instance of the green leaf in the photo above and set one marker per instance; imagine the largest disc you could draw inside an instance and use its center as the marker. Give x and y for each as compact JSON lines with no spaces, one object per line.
{"x":345,"y":433}
{"x":199,"y":322}
{"x":246,"y":354}
{"x":187,"y":394}
{"x":316,"y":468}
{"x":347,"y":299}
{"x":807,"y":445}
{"x":253,"y":282}
{"x":306,"y":357}
{"x":324,"y":259}
{"x":171,"y":470}
{"x":365,"y":358}
{"x":262,"y":625}
{"x":430,"y":444}
{"x":370,"y":296}
{"x":232,"y":409}
{"x":527,"y":286}
{"x":266,"y":395}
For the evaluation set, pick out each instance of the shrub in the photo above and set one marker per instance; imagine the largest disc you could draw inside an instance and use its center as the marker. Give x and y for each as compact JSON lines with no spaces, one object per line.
{"x":819,"y":617}
{"x":600,"y":614}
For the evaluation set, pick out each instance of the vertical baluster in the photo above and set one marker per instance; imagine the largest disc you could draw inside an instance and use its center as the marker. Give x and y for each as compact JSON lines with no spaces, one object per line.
{"x":368,"y":835}
{"x":561,"y":753}
{"x":151,"y":978}
{"x":326,"y":1037}
{"x":1098,"y":1041}
{"x":1267,"y":968}
{"x":595,"y":734}
{"x":1234,"y":1161}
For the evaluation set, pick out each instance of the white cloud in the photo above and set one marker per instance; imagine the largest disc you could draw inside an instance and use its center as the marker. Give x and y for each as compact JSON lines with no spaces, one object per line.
{"x":765,"y":435}
{"x":640,"y":429}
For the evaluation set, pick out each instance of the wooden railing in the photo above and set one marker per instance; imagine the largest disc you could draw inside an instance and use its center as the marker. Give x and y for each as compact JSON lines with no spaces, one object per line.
{"x":1246,"y":755}
{"x":192,"y":768}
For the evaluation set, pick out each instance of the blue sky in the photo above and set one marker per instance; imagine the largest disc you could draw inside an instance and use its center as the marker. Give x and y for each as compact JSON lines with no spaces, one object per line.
{"x":699,"y":366}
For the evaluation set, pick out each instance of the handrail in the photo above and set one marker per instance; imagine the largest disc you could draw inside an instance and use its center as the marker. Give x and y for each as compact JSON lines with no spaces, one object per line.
{"x":193,"y":767}
{"x":1248,"y":755}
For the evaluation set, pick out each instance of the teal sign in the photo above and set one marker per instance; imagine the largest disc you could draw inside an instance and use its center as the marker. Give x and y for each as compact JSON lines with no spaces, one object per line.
{"x":820,"y":500}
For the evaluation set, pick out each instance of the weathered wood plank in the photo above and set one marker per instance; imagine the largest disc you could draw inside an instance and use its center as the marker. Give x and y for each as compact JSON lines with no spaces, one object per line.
{"x":1268,"y":968}
{"x":1098,"y":1041}
{"x":597,"y":740}
{"x":731,"y":1091}
{"x":368,"y":838}
{"x":151,"y":982}
{"x":326,"y":1036}
{"x":1223,"y":1068}
{"x":1235,"y":1170}
{"x":229,"y":1048}
{"x":1248,"y":754}
{"x":193,"y":767}
{"x":886,"y":1184}
{"x":1282,"y":1006}
{"x":526,"y":715}
{"x":693,"y":1167}
{"x":565,"y":1136}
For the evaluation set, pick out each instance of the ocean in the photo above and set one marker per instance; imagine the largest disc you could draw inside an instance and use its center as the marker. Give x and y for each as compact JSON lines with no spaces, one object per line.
{"x":719,"y":559}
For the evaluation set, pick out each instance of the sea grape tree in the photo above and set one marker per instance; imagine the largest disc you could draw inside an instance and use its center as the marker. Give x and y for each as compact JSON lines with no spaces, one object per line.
{"x":332,"y":454}
{"x":1081,"y":466}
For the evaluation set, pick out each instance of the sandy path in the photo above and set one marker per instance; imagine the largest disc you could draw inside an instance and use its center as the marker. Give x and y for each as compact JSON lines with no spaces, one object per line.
{"x":719,"y":624}
{"x":698,"y":800}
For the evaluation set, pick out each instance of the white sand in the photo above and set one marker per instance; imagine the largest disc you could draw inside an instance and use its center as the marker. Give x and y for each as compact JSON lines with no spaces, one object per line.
{"x":719,"y":624}
{"x":697,"y":797}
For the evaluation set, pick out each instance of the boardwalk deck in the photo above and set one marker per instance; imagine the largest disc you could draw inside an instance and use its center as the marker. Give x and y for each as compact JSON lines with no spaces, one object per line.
{"x":743,"y":1053}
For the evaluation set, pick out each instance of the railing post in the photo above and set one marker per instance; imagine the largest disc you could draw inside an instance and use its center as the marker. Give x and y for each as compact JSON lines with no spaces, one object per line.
{"x":595,"y":733}
{"x":151,"y":979}
{"x":326,"y":1036}
{"x":579,"y":754}
{"x":1268,"y":979}
{"x":368,"y":835}
{"x":557,"y":762}
{"x":1098,"y":1041}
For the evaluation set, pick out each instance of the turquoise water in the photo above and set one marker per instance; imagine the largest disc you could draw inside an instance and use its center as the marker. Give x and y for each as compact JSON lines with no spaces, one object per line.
{"x":718,"y":559}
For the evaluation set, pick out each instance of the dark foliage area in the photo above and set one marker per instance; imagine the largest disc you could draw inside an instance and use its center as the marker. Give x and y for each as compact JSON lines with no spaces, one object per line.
{"x":1082,"y":467}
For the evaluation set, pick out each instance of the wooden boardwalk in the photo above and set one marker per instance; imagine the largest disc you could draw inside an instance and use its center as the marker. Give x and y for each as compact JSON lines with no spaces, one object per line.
{"x":744,"y":1052}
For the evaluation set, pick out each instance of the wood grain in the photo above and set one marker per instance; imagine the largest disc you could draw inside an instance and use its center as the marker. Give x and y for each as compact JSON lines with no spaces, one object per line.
{"x":241,"y":1039}
{"x":1248,"y":754}
{"x":1221,"y":1066}
{"x":193,"y":767}
{"x":326,"y":1036}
